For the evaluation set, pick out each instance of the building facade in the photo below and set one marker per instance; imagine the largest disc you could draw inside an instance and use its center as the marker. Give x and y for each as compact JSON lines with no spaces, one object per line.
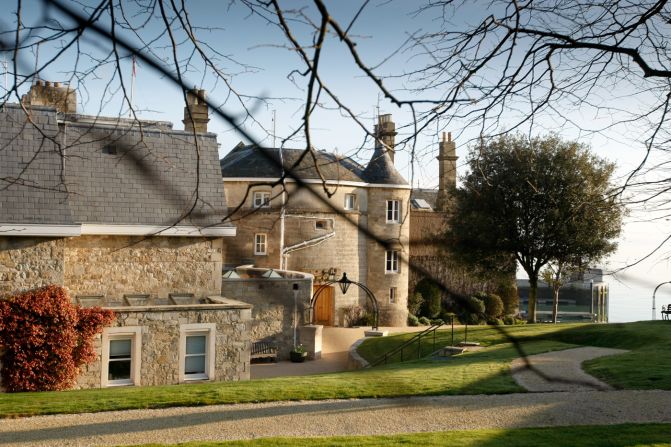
{"x":125,"y":214}
{"x":331,"y":216}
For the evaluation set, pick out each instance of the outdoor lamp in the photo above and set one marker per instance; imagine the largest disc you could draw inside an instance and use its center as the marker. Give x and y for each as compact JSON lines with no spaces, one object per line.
{"x":344,"y":283}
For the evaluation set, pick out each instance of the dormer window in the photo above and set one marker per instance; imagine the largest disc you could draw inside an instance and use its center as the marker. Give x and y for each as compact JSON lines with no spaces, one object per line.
{"x":261,"y":199}
{"x":393,"y":211}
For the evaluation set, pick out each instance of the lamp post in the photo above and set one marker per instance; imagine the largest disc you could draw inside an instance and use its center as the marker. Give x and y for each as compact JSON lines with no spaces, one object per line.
{"x":654,"y":309}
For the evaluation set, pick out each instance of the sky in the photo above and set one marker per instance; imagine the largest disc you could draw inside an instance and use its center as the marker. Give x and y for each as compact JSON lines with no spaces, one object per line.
{"x":260,"y":66}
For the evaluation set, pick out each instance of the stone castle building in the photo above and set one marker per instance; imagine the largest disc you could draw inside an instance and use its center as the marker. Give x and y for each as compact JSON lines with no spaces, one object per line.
{"x":113,"y":210}
{"x":339,"y":217}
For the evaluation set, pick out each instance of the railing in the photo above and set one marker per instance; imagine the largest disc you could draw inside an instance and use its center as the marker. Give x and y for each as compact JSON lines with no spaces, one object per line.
{"x":382,"y":360}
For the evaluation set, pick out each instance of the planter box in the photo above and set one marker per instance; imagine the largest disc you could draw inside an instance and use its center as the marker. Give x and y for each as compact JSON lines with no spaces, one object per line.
{"x":298,"y":357}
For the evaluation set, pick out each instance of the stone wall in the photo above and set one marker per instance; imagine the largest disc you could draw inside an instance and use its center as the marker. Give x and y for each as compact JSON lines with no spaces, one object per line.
{"x":160,"y":341}
{"x":273,"y":303}
{"x":29,"y":262}
{"x":118,"y":265}
{"x":431,"y":258}
{"x":392,"y":236}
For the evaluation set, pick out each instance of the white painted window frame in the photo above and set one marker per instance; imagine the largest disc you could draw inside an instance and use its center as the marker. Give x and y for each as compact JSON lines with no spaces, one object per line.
{"x":261,"y":199}
{"x":118,"y":333}
{"x":391,"y":257}
{"x":210,"y":332}
{"x":393,"y":209}
{"x":260,"y":244}
{"x":350,"y":202}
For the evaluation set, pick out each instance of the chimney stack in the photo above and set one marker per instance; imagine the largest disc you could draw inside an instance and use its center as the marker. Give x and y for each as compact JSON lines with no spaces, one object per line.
{"x":198,"y":118}
{"x":385,"y":135}
{"x":447,"y":171}
{"x":62,"y":98}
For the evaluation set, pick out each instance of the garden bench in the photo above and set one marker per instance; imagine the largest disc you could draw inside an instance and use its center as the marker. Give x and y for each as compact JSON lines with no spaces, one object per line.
{"x":666,"y":311}
{"x":264,"y":350}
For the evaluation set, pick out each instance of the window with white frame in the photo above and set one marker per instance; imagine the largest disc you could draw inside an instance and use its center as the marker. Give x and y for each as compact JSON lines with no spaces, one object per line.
{"x":260,"y":244}
{"x":196,"y":351}
{"x":392,"y":295}
{"x":391,"y":264}
{"x":393,"y":211}
{"x":350,"y":201}
{"x":261,"y":199}
{"x":121,"y":356}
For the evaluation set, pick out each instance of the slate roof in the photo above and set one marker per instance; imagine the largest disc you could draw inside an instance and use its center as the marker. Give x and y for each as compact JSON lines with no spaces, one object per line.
{"x":381,"y":169}
{"x":429,"y":195}
{"x":105,"y":171}
{"x":248,"y":161}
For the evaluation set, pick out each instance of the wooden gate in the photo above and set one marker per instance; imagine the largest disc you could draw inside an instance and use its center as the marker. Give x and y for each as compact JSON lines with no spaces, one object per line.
{"x":324,"y":306}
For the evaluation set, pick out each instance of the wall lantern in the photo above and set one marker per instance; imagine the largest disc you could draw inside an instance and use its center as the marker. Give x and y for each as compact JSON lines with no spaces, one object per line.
{"x":344,"y":283}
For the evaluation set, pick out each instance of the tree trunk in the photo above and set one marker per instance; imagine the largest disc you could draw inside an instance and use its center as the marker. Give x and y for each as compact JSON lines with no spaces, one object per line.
{"x":555,"y":302}
{"x":531,"y":309}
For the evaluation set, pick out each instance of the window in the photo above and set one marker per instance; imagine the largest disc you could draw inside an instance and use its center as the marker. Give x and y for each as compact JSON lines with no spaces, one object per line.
{"x":260,"y":244}
{"x":391,"y":265}
{"x":392,"y":295}
{"x":393,"y":211}
{"x":121,"y":356}
{"x":196,"y":351}
{"x":262,"y":199}
{"x":350,"y":201}
{"x":323,"y":225}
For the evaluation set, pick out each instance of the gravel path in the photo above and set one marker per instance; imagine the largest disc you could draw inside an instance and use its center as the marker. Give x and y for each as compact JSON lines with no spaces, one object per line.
{"x":560,"y":370}
{"x":338,"y":417}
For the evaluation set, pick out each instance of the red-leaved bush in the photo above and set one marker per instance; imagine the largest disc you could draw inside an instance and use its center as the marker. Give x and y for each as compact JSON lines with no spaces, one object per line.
{"x":46,"y":339}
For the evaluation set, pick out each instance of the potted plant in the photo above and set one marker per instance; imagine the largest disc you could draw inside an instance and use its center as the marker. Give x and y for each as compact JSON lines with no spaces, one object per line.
{"x":298,"y":354}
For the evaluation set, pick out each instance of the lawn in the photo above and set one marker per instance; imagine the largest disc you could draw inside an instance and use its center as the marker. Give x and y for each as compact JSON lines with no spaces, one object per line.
{"x":584,"y":436}
{"x":487,"y":371}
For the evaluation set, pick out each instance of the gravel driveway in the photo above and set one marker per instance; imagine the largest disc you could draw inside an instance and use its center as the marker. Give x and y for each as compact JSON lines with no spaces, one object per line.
{"x":338,"y":417}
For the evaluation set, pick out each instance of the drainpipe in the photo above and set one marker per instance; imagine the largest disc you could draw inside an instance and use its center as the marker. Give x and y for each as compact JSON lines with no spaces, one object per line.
{"x":282,"y":215}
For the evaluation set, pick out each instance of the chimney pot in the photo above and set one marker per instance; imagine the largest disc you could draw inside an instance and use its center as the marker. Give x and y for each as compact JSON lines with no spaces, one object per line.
{"x":449,"y":136}
{"x":48,"y":84}
{"x":57,"y":84}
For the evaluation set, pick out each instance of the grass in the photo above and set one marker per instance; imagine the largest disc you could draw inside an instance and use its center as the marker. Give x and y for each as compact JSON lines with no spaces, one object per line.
{"x":583,"y":436}
{"x":648,"y":365}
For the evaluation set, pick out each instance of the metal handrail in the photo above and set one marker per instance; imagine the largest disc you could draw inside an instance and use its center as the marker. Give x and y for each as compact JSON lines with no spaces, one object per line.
{"x":418,"y":337}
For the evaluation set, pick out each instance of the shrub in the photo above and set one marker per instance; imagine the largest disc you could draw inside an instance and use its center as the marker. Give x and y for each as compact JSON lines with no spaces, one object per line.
{"x":424,"y":321}
{"x":46,"y":339}
{"x":508,"y":320}
{"x":430,"y":292}
{"x":493,"y":305}
{"x":415,"y":302}
{"x":508,"y":293}
{"x":475,"y":305}
{"x":356,"y":315}
{"x":495,"y":322}
{"x":447,"y":316}
{"x":413,"y":320}
{"x":437,"y":321}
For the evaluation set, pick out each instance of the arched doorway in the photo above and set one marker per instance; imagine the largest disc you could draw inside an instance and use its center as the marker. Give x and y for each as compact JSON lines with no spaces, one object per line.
{"x":344,"y":283}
